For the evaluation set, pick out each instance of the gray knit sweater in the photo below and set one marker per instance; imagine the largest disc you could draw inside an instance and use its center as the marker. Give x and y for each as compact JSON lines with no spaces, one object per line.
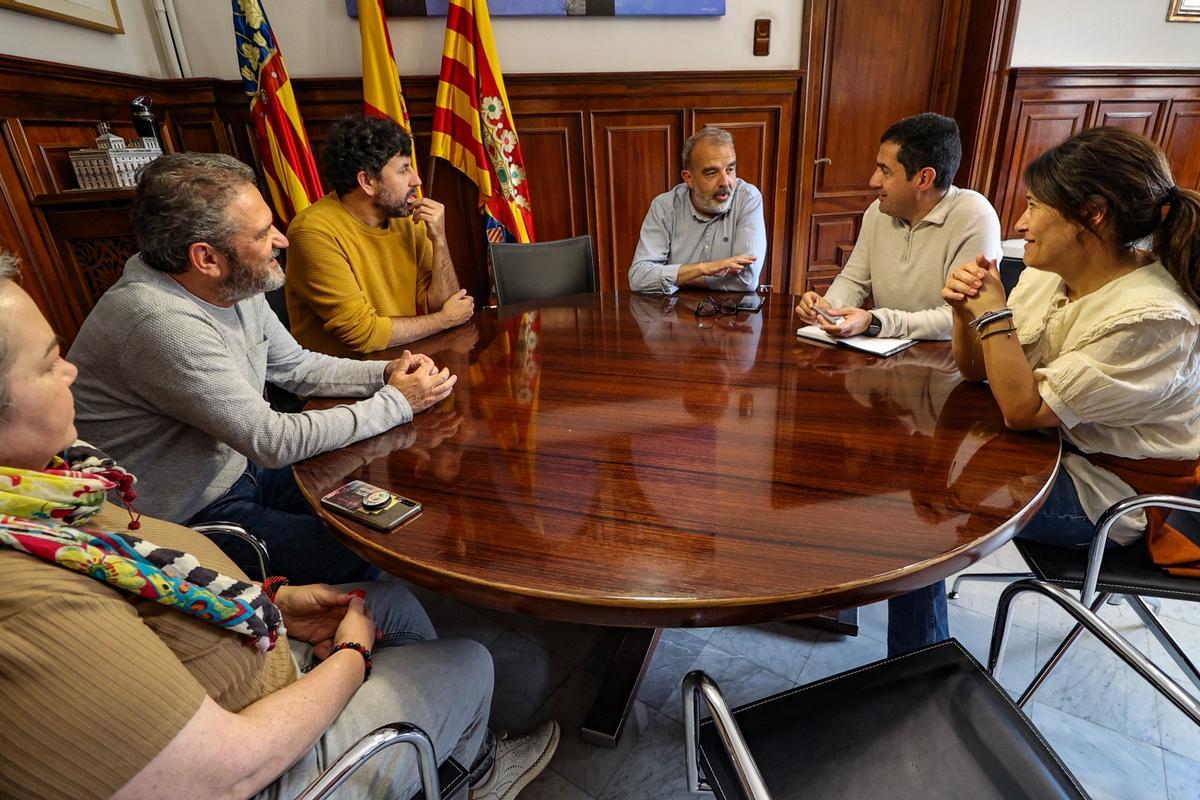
{"x":172,"y":388}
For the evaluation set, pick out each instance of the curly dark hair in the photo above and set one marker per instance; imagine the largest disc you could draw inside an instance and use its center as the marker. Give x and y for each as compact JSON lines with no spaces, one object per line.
{"x":927,"y":140}
{"x":361,"y":144}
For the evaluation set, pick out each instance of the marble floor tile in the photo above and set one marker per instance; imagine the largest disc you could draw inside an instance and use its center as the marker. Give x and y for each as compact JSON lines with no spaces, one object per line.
{"x":872,"y":621}
{"x":834,"y":653}
{"x":1097,"y":686}
{"x":1110,"y":766}
{"x":1182,"y":610}
{"x":778,"y":646}
{"x":678,"y":649}
{"x":1183,"y":777}
{"x":1180,"y":735}
{"x":740,"y":678}
{"x":983,"y":596}
{"x":655,"y":768}
{"x":1055,"y":624}
{"x":452,"y":618}
{"x":552,"y":786}
{"x":587,"y":766}
{"x":526,"y":676}
{"x":974,"y":632}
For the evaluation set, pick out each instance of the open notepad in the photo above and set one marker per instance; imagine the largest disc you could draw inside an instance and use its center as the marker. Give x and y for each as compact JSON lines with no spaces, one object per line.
{"x":867,"y":344}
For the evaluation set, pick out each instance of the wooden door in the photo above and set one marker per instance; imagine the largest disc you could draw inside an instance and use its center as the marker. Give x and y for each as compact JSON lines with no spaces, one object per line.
{"x":867,"y":67}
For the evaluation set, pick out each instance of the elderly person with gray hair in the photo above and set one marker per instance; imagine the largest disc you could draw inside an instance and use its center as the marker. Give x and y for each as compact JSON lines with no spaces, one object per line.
{"x":174,"y":357}
{"x":139,"y":661}
{"x":708,"y":231}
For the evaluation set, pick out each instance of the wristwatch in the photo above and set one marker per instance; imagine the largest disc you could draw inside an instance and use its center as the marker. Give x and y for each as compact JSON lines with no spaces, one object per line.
{"x":874,"y":328}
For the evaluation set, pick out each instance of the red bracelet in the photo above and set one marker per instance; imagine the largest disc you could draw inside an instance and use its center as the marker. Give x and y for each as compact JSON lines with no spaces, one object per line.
{"x":272,"y":585}
{"x":362,"y":651}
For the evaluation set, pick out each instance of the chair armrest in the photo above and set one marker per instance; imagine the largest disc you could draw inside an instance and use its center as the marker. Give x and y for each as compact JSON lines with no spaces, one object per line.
{"x":1094,"y":625}
{"x":1109,"y":518}
{"x":367,"y":747}
{"x":749,"y":776}
{"x":238,"y":532}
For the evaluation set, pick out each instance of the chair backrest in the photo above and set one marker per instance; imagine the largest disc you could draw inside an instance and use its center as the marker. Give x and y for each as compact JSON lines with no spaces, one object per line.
{"x":543,"y":269}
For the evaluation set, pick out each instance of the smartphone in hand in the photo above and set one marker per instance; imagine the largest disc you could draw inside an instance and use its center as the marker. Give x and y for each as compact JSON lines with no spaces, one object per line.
{"x":825,"y":315}
{"x":371,"y":505}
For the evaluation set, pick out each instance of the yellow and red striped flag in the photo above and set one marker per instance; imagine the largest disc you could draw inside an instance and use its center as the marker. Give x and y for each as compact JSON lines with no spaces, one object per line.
{"x":287,"y":159}
{"x":382,"y":95}
{"x":473,"y":125}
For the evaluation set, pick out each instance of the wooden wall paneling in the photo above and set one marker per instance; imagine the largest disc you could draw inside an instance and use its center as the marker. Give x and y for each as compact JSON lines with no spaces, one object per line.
{"x":49,"y":143}
{"x":635,"y":157}
{"x":19,"y":236}
{"x":1142,"y":117}
{"x":1181,"y":141}
{"x":554,"y":165}
{"x":832,"y":241}
{"x":1039,"y":126}
{"x":757,"y":135}
{"x":197,"y":130}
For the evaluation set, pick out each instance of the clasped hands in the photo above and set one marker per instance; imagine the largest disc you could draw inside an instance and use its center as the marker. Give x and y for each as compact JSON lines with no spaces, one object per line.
{"x":975,"y":289}
{"x":419,"y":380}
{"x":323,"y":616}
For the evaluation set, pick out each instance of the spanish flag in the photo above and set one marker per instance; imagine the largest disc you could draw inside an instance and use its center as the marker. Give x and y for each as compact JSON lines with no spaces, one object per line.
{"x":382,"y":96}
{"x":473,"y":124}
{"x":286,"y":157}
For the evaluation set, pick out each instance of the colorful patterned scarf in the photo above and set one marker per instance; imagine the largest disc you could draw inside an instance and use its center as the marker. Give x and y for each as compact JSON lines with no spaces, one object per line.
{"x":38,"y":510}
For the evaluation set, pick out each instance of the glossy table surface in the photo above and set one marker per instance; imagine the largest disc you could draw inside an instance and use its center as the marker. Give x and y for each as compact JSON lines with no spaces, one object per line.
{"x":618,"y":460}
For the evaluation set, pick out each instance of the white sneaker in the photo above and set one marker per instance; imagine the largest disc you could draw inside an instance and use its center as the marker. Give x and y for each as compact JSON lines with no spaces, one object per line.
{"x":518,"y":762}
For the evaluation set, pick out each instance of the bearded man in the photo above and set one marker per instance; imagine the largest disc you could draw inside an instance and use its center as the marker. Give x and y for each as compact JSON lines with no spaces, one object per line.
{"x":174,"y":358}
{"x":369,"y":267}
{"x":708,"y":231}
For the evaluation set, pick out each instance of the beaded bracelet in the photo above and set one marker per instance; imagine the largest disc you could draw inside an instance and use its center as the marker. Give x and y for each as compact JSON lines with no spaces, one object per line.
{"x":988,"y":317}
{"x":272,"y":585}
{"x":361,"y":650}
{"x":1009,"y":330}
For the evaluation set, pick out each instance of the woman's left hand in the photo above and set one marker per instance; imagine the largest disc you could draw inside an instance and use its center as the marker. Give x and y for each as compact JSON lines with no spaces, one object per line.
{"x":312,"y":613}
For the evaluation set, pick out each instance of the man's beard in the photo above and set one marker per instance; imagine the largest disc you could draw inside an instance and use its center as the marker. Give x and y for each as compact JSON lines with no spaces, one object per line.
{"x":245,"y":281}
{"x":392,"y":205}
{"x":714,"y":207}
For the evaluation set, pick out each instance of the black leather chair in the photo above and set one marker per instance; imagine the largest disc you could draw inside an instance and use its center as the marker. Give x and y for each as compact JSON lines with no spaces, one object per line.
{"x":1125,"y":573}
{"x":543,"y":269}
{"x":931,"y":724}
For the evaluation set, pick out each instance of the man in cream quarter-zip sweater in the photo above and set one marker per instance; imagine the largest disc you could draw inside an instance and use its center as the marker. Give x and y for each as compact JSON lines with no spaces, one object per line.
{"x":919,"y":230}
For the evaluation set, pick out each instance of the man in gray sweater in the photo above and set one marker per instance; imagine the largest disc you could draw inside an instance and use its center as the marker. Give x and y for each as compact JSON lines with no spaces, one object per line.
{"x":918,"y":231}
{"x":174,"y":357}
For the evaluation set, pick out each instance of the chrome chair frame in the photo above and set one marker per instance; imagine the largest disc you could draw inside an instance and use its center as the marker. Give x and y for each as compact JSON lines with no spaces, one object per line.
{"x":697,"y":683}
{"x":368,"y":747}
{"x":238,"y":532}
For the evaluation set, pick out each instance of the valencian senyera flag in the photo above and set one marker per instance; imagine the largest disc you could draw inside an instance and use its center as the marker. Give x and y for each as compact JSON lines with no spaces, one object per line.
{"x":287,"y":160}
{"x":382,"y":95}
{"x":473,"y":123}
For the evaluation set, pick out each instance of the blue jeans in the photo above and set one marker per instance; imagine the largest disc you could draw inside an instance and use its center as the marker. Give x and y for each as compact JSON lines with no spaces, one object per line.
{"x":268,"y":503}
{"x":921,"y":618}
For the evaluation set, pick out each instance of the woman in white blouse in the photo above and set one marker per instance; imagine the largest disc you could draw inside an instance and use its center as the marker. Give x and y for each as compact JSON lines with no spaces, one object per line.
{"x":1099,"y":339}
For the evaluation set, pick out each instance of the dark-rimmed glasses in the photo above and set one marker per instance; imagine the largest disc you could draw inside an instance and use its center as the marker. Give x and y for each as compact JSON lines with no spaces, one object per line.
{"x":708,"y":307}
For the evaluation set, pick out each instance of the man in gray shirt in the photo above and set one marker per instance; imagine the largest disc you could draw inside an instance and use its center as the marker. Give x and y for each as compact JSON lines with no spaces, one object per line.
{"x":174,"y":357}
{"x":708,"y":231}
{"x":918,"y":231}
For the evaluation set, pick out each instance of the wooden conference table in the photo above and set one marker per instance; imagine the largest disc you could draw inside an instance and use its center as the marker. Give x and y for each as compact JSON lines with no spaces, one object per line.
{"x":618,"y":460}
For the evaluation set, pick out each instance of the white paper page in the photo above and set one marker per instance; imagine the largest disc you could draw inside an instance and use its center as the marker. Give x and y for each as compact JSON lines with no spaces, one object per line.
{"x":868,"y":344}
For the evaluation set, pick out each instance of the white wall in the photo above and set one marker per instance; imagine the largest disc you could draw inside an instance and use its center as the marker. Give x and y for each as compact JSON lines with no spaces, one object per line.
{"x":135,"y":52}
{"x":319,"y":40}
{"x":1080,"y":33}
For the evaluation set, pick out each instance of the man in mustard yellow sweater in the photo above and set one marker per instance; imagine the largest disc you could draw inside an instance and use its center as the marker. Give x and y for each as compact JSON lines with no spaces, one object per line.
{"x":368,"y":267}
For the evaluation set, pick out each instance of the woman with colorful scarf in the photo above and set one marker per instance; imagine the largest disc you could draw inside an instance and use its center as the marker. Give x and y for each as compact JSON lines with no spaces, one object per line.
{"x":136,"y":659}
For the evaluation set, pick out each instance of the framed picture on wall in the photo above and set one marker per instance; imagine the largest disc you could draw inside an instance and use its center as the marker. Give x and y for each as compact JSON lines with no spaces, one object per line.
{"x":101,"y":15}
{"x":1184,"y":11}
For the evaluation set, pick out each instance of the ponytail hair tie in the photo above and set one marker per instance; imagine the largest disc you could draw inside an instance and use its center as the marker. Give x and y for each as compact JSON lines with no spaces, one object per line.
{"x":1171,"y":196}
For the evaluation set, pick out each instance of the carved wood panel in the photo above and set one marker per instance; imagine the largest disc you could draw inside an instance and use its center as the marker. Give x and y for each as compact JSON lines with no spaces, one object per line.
{"x":1040,"y":125}
{"x":634,"y":157}
{"x":1139,"y":117}
{"x":554,"y":163}
{"x":1181,"y":141}
{"x":93,"y":245}
{"x":830,"y":245}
